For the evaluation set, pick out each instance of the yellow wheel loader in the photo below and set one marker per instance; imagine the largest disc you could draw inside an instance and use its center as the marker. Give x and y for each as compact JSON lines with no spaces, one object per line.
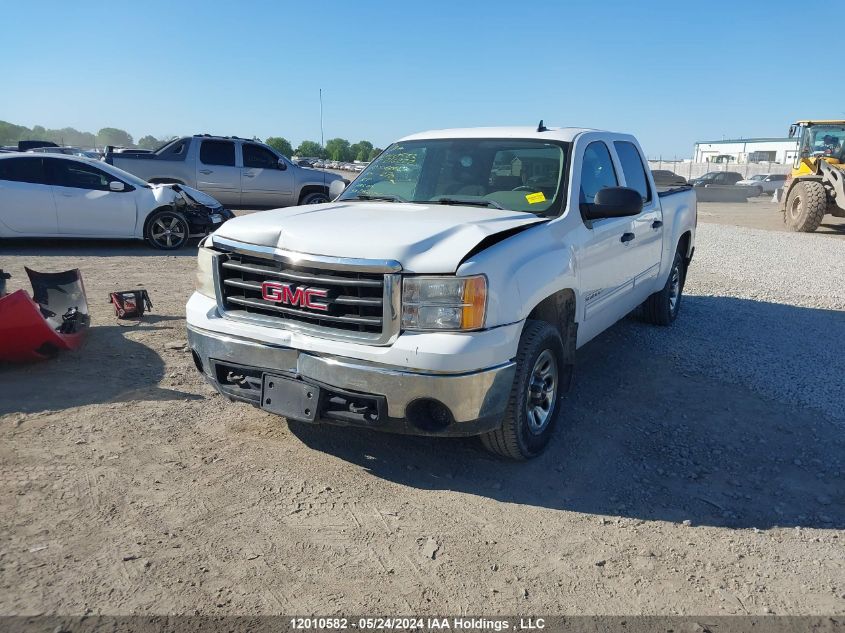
{"x":816,"y":186}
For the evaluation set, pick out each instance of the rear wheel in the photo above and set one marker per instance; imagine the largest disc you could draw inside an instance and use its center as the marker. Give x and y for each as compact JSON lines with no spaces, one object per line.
{"x":532,"y":411}
{"x":805,"y":206}
{"x":663,"y":306}
{"x":168,"y":230}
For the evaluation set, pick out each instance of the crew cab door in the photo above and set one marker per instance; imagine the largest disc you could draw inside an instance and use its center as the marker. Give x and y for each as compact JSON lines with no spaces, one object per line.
{"x":26,"y":200}
{"x":606,"y":261}
{"x":263,"y":181}
{"x":645,"y":248}
{"x":217,"y":174}
{"x":85,"y":206}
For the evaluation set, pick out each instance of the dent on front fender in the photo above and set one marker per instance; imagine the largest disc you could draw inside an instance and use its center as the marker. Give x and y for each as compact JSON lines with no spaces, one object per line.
{"x":523,"y":270}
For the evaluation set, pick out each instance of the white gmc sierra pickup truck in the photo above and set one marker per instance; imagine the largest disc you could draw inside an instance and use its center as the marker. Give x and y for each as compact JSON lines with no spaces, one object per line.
{"x":446,"y":289}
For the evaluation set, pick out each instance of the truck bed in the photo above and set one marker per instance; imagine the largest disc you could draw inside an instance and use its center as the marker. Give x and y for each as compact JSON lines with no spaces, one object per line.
{"x":668,"y":190}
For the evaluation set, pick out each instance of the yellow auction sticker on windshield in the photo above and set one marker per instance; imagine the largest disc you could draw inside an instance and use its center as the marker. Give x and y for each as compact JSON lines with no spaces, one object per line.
{"x":534,"y":198}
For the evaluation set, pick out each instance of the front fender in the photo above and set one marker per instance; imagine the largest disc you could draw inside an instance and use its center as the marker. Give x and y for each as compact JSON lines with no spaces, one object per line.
{"x":522,"y":271}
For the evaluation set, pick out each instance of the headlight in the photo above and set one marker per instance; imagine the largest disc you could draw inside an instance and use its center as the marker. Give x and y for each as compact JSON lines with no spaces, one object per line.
{"x":205,"y":272}
{"x":444,"y":303}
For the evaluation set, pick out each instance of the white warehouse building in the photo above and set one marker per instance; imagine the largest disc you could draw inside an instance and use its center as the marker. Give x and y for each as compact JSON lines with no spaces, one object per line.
{"x":747,"y":150}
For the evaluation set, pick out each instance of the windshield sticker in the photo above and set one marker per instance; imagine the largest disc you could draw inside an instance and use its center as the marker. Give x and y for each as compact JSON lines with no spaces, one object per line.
{"x":534,"y":198}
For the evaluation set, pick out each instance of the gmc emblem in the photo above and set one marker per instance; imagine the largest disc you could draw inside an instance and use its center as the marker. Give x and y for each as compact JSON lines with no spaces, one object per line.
{"x":278,"y":292}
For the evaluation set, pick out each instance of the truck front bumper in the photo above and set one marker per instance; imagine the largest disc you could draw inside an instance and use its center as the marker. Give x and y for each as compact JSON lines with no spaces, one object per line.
{"x":355,"y":392}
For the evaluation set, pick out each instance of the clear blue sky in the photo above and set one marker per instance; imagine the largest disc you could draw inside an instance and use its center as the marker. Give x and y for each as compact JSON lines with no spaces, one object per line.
{"x":669,"y":72}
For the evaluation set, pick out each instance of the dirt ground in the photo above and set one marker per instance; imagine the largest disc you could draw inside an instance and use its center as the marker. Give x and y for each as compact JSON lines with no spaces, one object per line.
{"x":128,"y":487}
{"x":760,"y":213}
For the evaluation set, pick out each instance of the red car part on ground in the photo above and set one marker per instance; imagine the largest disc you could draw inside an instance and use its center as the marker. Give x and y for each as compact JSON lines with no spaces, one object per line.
{"x":54,"y":319}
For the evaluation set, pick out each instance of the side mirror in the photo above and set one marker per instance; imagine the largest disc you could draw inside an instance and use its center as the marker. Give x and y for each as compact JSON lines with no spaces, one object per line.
{"x":282,"y":164}
{"x":792,"y":130}
{"x":116,"y":185}
{"x":615,"y":202}
{"x":336,"y":188}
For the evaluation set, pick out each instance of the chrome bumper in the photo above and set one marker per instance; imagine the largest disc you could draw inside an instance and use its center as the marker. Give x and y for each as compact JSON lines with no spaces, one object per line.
{"x":476,"y":400}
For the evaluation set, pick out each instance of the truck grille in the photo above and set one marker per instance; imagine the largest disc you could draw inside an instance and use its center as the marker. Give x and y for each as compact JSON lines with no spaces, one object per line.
{"x":356,"y":301}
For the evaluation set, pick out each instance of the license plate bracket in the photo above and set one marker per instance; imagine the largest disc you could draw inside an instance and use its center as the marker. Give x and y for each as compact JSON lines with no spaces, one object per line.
{"x":290,"y":398}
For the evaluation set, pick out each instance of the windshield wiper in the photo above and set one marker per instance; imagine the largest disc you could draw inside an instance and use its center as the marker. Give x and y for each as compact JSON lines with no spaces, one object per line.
{"x":383,"y":197}
{"x":469,"y":203}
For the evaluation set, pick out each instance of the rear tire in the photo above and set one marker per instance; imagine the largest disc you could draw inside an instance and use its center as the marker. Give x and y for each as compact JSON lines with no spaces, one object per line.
{"x":167,"y":230}
{"x":662,"y":307}
{"x":805,"y":206}
{"x":533,"y":407}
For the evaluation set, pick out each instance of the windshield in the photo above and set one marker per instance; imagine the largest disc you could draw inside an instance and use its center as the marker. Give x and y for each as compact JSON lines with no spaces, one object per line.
{"x":161,"y":148}
{"x":758,"y":177}
{"x":123,"y":175}
{"x":824,"y":140}
{"x":514,"y":174}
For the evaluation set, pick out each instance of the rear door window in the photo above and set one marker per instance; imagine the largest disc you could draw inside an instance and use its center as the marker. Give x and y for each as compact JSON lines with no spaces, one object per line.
{"x":23,"y":170}
{"x":218,"y":153}
{"x":259,"y":157}
{"x":633,"y":169}
{"x":597,"y":172}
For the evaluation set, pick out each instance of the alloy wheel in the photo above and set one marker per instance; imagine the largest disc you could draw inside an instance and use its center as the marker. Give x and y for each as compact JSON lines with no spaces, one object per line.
{"x":542,"y":392}
{"x":168,"y":231}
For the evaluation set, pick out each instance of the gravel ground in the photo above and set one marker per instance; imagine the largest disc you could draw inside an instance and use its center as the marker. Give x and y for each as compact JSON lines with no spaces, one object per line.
{"x":765,"y":309}
{"x":699,"y":468}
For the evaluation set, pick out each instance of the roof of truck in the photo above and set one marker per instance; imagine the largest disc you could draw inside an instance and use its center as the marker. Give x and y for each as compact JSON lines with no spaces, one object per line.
{"x":567,"y":134}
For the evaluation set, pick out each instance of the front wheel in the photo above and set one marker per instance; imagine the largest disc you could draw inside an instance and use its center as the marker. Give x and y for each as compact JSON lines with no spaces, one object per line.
{"x":532,"y":412}
{"x":168,"y":230}
{"x":662,"y":307}
{"x":317,"y":197}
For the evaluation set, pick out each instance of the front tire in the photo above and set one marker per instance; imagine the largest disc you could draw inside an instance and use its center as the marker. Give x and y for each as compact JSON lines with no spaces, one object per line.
{"x":316,"y":197}
{"x":167,"y":230}
{"x":663,"y":306}
{"x":805,"y":206}
{"x":533,"y":406}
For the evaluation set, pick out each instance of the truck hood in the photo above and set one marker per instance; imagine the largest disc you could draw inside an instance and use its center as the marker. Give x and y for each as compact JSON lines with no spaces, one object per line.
{"x":423,"y":238}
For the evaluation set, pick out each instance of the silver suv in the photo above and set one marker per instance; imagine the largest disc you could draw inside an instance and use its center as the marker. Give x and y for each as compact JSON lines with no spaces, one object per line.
{"x":236,"y":171}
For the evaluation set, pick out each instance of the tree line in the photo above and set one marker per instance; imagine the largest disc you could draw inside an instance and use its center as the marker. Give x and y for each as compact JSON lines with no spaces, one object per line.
{"x":338,"y":149}
{"x":11,"y":133}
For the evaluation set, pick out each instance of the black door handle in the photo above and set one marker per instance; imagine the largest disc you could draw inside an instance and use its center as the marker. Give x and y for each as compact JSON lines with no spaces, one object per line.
{"x":656,"y":224}
{"x":627,"y":237}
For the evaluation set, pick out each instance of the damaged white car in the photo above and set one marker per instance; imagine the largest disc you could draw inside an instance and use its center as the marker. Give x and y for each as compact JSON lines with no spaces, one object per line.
{"x":69,"y":196}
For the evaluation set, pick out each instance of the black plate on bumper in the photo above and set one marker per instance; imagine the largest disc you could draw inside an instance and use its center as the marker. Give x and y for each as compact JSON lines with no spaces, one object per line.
{"x":289,"y":398}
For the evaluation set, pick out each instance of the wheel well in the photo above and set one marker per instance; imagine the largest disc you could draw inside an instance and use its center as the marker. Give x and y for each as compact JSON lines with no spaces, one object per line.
{"x":312,"y":189}
{"x":557,"y":310}
{"x":684,"y":243}
{"x":165,"y":181}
